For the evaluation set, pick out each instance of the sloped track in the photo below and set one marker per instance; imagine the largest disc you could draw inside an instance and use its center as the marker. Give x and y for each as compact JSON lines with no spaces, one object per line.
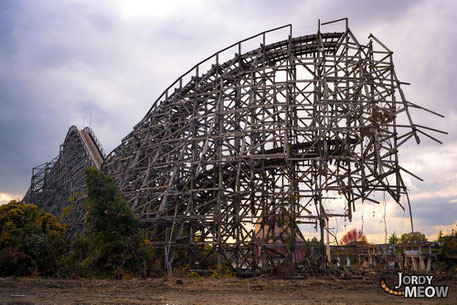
{"x":58,"y":186}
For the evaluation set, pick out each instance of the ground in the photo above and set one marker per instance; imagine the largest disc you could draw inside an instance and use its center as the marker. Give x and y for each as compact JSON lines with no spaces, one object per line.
{"x":183,"y":290}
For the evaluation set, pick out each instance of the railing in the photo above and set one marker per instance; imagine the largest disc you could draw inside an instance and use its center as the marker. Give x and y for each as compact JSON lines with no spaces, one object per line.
{"x":215,"y":56}
{"x":97,"y":143}
{"x":346,"y":21}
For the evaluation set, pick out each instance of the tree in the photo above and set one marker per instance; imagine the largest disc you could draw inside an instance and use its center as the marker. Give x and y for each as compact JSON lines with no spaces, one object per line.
{"x":414,"y":237}
{"x":448,"y":245}
{"x":31,"y":242}
{"x":440,"y":235}
{"x":447,"y":252}
{"x":314,"y":242}
{"x":114,"y":243}
{"x":393,"y":239}
{"x":354,"y":237}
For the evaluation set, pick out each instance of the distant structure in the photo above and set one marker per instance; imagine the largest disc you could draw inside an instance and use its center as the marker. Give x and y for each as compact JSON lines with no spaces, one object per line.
{"x":406,"y":256}
{"x":54,"y":183}
{"x":285,"y":135}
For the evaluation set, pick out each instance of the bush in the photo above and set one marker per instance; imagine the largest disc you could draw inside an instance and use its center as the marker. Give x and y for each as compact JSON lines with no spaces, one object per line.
{"x":222,"y":271}
{"x":16,"y":263}
{"x":31,"y":242}
{"x":75,"y":262}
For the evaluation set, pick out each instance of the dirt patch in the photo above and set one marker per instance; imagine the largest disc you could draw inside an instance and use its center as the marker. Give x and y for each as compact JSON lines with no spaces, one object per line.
{"x":172,"y":290}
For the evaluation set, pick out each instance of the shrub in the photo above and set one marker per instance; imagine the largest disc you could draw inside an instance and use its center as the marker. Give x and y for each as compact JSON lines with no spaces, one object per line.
{"x":30,"y":241}
{"x":222,"y":270}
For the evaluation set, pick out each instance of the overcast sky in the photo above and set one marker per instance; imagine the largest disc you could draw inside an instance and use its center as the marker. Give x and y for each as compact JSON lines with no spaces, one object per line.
{"x":62,"y":60}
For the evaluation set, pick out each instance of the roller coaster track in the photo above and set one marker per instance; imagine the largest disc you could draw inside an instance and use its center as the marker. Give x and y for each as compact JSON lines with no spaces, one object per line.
{"x":54,"y":183}
{"x":242,"y":151}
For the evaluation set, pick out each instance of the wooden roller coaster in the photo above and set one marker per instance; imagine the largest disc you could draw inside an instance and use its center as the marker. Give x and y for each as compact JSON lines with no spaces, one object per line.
{"x":239,"y":157}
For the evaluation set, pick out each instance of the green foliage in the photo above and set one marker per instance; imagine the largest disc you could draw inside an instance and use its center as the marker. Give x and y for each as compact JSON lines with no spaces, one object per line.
{"x":222,"y":271}
{"x":31,"y":242}
{"x":66,"y":211}
{"x":448,"y":244}
{"x":414,"y":237}
{"x":447,"y":252}
{"x":75,"y":263}
{"x":193,"y":275}
{"x":114,"y":244}
{"x":393,"y":239}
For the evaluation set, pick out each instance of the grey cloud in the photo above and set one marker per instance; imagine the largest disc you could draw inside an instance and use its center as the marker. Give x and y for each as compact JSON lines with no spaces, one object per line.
{"x":432,"y":212}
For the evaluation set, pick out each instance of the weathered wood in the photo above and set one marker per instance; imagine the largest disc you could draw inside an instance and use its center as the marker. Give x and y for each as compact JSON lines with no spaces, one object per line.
{"x":54,"y":183}
{"x":242,"y":156}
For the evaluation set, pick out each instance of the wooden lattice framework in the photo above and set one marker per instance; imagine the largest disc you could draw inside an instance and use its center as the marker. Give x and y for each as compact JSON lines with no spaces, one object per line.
{"x":54,"y":183}
{"x":233,"y":160}
{"x":240,"y":156}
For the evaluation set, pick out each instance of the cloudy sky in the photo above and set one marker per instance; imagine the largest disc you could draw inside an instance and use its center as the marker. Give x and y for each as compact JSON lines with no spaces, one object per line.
{"x":61,"y":61}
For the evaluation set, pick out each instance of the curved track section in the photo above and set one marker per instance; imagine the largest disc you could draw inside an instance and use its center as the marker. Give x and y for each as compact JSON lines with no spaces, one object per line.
{"x":242,"y":156}
{"x":57,"y":186}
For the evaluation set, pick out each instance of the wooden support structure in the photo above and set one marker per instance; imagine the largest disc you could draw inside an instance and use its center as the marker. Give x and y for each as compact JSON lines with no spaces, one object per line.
{"x":238,"y":155}
{"x":244,"y":155}
{"x":58,"y":187}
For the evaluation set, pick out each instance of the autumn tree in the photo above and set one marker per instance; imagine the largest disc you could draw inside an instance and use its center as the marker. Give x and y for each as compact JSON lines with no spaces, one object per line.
{"x":354,"y":237}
